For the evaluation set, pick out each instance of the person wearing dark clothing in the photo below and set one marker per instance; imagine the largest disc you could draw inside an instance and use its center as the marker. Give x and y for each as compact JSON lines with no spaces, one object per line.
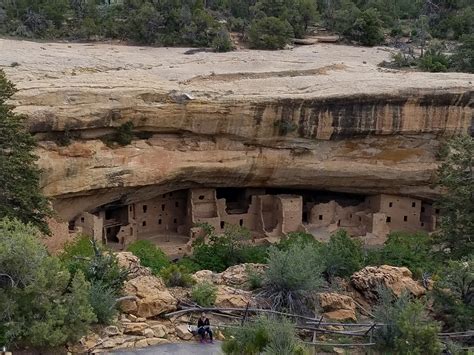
{"x":204,"y":327}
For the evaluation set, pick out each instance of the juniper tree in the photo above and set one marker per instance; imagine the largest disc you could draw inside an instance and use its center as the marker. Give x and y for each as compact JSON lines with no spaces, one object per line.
{"x":20,"y":195}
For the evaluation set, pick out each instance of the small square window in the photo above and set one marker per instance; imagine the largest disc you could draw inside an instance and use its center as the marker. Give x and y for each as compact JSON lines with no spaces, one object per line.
{"x":389,"y":219}
{"x":405,"y":218}
{"x":145,"y":208}
{"x":320,"y":217}
{"x":144,"y":223}
{"x":82,"y":219}
{"x":159,"y":221}
{"x":422,"y":224}
{"x":222,"y":224}
{"x":175,"y":221}
{"x":390,"y":204}
{"x":201,"y":197}
{"x":163,"y":207}
{"x":413,"y":204}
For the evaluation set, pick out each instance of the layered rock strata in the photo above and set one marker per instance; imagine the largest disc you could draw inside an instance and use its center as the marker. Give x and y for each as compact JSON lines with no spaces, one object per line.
{"x":316,"y":117}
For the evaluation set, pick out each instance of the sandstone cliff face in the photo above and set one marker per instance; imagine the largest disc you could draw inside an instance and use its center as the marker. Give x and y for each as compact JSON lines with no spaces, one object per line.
{"x":317,"y":117}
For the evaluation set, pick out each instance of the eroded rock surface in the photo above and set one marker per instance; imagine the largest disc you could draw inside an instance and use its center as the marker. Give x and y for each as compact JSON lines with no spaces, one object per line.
{"x":396,"y":279}
{"x":338,"y":307}
{"x":217,"y":119}
{"x":152,"y":297}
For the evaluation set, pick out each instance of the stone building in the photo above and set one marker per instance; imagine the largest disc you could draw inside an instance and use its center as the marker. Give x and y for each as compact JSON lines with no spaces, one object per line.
{"x":263,"y":213}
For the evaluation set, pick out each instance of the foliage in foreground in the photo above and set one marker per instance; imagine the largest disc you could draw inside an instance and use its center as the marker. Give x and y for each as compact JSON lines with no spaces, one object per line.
{"x":150,"y":255}
{"x":408,"y":329}
{"x":20,"y":195}
{"x":204,"y":294}
{"x":454,"y":295}
{"x":43,"y":305}
{"x":343,"y":254}
{"x":291,"y":275}
{"x":101,"y":269}
{"x":264,"y":336}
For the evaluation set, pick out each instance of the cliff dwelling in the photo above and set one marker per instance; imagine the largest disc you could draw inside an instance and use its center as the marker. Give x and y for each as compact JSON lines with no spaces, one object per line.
{"x":171,"y":218}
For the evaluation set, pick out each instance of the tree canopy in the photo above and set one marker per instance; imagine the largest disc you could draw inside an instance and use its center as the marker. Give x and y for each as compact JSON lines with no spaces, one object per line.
{"x":20,"y":195}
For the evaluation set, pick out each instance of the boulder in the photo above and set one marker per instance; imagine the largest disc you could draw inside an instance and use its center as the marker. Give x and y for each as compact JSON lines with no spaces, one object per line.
{"x":337,"y":306}
{"x":231,"y":297}
{"x":182,"y":332}
{"x":151,"y":297}
{"x":157,"y":341}
{"x":135,"y":328}
{"x":397,"y":279}
{"x":159,"y":330}
{"x":131,"y":262}
{"x":111,"y":330}
{"x":238,"y":275}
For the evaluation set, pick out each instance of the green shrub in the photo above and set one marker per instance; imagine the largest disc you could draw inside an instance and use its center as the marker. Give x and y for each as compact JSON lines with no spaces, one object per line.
{"x":150,"y":255}
{"x":95,"y":262}
{"x":407,"y":330}
{"x":343,"y":254}
{"x":298,"y":238}
{"x":463,"y":57}
{"x":204,"y":294}
{"x":249,"y":339}
{"x":413,"y":251}
{"x":454,"y":295}
{"x":176,"y":276}
{"x":255,"y":278}
{"x":418,"y":334}
{"x":42,"y":304}
{"x":270,"y":33}
{"x":367,"y":28}
{"x":230,"y":248}
{"x":189,"y":264}
{"x":124,"y":134}
{"x":222,"y":41}
{"x":265,"y":335}
{"x":103,"y":301}
{"x":291,"y":275}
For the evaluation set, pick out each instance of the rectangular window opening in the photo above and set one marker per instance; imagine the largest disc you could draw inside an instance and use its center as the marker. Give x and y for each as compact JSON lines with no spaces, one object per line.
{"x":389,"y":219}
{"x":144,"y":223}
{"x":145,"y":208}
{"x":163,"y":207}
{"x":320,"y":217}
{"x":159,"y":221}
{"x":222,"y":224}
{"x":422,"y":209}
{"x":390,"y":204}
{"x":405,"y":218}
{"x":241,"y":222}
{"x":413,"y":204}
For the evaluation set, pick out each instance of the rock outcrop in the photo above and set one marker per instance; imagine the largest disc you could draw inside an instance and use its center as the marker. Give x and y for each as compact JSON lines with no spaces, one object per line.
{"x":338,"y":307}
{"x":131,"y":262}
{"x":396,"y":279}
{"x":317,"y":117}
{"x":236,"y":276}
{"x":151,"y":297}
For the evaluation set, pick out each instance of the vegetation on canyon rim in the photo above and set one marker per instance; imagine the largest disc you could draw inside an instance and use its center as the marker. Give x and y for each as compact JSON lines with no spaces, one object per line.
{"x":48,"y":301}
{"x":264,"y":24}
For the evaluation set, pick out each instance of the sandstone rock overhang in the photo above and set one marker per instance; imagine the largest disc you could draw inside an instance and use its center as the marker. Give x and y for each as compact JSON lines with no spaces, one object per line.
{"x":215,"y":119}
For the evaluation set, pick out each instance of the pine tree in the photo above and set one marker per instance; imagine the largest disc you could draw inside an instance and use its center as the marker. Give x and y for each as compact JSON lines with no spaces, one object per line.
{"x":20,"y":195}
{"x":456,"y":175}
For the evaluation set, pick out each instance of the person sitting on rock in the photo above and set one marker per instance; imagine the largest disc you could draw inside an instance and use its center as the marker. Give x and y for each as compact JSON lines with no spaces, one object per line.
{"x":204,"y":327}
